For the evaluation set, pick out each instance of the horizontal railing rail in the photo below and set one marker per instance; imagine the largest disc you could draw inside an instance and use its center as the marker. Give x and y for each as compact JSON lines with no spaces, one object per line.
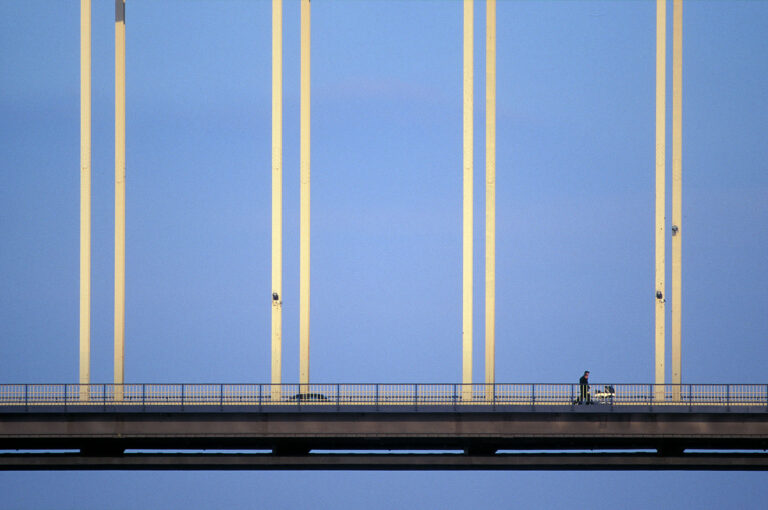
{"x":382,"y":395}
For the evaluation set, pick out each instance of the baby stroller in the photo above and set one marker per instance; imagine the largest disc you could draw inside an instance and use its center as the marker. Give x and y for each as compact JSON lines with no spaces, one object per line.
{"x":605,"y":396}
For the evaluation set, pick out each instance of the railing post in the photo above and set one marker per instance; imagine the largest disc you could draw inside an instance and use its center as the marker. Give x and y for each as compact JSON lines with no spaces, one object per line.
{"x":182,"y":397}
{"x":26,"y":396}
{"x":415,"y":397}
{"x":728,"y":396}
{"x":650,"y":396}
{"x":221,"y":397}
{"x":690,"y":397}
{"x":104,"y":395}
{"x":454,"y":396}
{"x":260,"y":392}
{"x":533,"y":396}
{"x":573,"y":400}
{"x":65,"y":397}
{"x":338,"y":396}
{"x":144,"y":397}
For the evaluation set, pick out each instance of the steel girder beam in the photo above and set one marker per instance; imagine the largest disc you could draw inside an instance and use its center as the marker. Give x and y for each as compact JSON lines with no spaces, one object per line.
{"x":330,"y":462}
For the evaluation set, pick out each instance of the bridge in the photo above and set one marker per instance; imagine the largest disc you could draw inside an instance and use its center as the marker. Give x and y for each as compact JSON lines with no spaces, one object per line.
{"x":383,"y":426}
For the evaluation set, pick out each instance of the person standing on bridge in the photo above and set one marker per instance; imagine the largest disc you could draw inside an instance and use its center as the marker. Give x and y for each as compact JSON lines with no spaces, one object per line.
{"x":584,"y":389}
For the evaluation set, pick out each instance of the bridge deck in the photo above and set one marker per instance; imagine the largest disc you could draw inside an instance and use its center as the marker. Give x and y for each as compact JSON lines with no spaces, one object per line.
{"x":318,"y":429}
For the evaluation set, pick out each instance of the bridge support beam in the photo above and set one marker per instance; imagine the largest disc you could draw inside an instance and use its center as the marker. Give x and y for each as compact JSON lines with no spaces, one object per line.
{"x":468,"y":204}
{"x":85,"y":198}
{"x":677,"y":194}
{"x":277,"y":197}
{"x":119,"y":198}
{"x":305,"y":196}
{"x":661,"y":45}
{"x":490,"y":198}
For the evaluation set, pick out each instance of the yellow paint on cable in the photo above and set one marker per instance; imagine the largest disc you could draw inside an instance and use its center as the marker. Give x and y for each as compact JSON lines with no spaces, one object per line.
{"x":677,"y":192}
{"x":490,"y":197}
{"x":468,"y":204}
{"x":85,"y":198}
{"x":119,"y":198}
{"x":661,"y":34}
{"x":277,"y":196}
{"x":305,"y":195}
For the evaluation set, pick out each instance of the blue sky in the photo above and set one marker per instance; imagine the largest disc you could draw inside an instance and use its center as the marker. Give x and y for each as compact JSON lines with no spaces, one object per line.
{"x":575,"y":198}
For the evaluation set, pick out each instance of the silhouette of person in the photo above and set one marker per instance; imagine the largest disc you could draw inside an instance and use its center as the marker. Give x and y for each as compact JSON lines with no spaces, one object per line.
{"x":584,"y":396}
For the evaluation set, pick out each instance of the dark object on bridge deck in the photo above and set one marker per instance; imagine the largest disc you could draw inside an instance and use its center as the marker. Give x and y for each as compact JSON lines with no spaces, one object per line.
{"x":309,"y":397}
{"x":605,"y":395}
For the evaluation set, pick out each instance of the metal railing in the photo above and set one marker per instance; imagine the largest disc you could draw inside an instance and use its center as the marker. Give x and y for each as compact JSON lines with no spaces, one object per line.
{"x":28,"y":396}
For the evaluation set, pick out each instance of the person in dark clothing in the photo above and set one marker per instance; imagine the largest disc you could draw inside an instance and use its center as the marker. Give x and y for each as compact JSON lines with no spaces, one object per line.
{"x":584,"y":396}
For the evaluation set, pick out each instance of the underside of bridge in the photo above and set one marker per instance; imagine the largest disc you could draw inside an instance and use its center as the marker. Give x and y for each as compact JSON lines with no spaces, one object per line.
{"x":387,"y":462}
{"x":336,"y":439}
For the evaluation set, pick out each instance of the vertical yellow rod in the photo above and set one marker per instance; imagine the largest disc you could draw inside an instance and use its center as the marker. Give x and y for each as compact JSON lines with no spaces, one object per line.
{"x":677,"y":192}
{"x":305,"y":190}
{"x":661,"y":35}
{"x":85,"y":198}
{"x":490,"y":197}
{"x":468,"y":203}
{"x":119,"y":197}
{"x":277,"y":196}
